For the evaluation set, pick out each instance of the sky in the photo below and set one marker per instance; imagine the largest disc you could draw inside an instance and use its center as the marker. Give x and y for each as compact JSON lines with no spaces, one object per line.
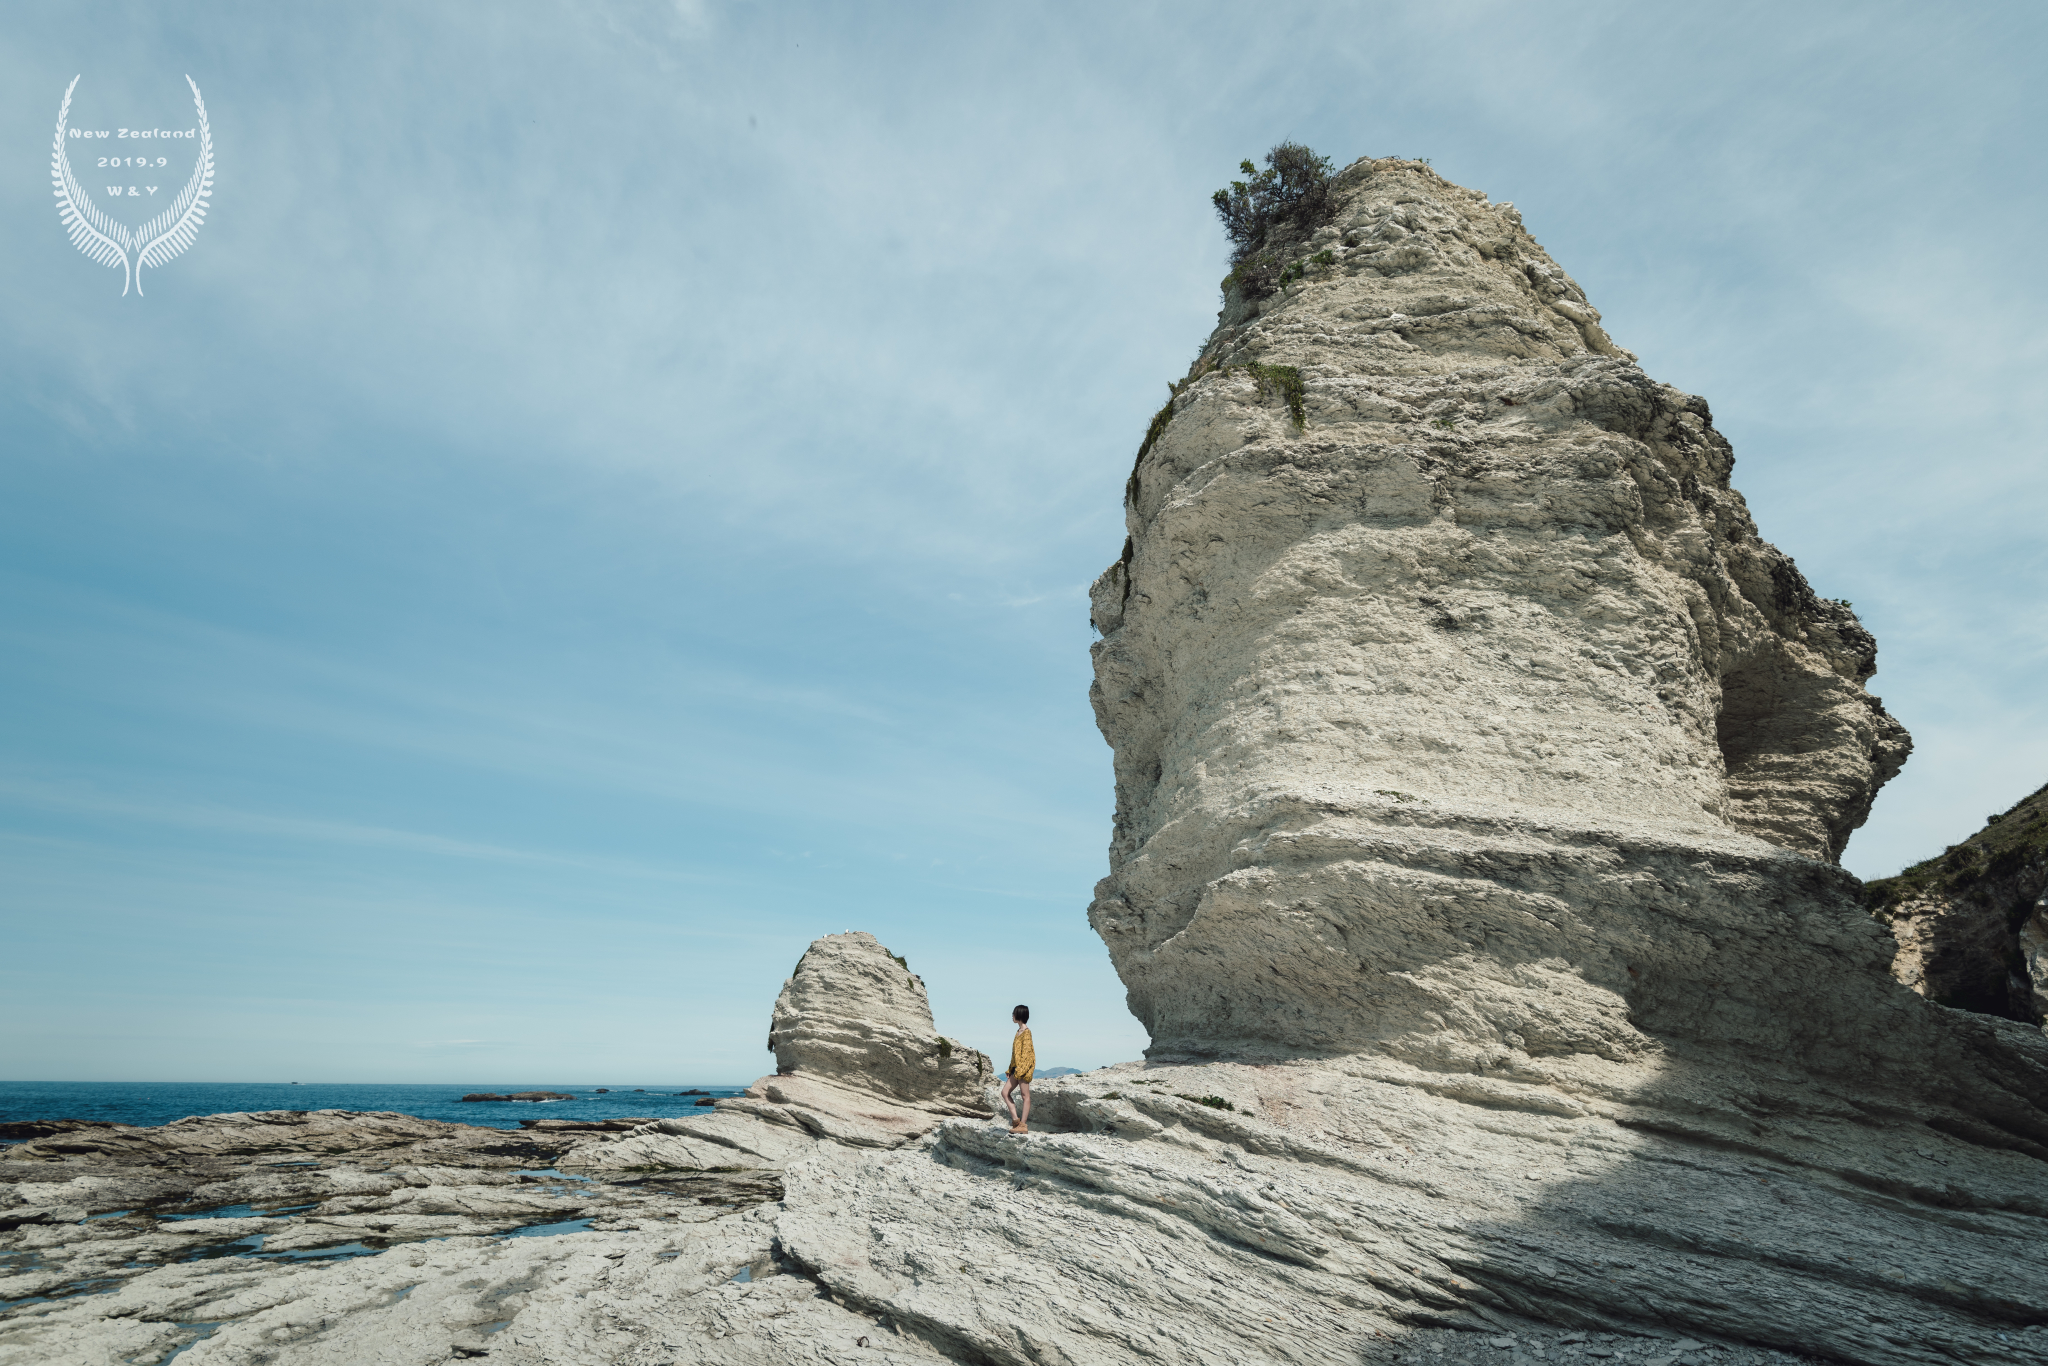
{"x":610,"y":492}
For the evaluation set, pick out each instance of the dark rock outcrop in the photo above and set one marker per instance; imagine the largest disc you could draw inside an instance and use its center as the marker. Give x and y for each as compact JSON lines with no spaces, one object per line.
{"x":1972,"y":923}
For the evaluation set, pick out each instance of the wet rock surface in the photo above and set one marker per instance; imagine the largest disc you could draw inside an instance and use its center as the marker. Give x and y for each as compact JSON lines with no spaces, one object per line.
{"x":94,"y":1206}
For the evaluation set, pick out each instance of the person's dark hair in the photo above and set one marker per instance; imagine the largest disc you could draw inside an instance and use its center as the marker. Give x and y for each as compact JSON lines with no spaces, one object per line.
{"x":1022,"y":1014}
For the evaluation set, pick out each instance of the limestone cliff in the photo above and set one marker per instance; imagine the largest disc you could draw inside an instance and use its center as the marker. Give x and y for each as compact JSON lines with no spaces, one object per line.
{"x":1480,"y":780}
{"x":1383,"y":676}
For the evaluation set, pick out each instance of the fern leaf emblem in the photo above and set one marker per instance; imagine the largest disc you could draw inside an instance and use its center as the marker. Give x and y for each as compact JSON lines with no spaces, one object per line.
{"x":109,"y":243}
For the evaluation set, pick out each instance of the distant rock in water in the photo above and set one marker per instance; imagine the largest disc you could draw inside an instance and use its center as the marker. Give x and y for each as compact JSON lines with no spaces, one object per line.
{"x":1972,"y":923}
{"x":520,"y":1095}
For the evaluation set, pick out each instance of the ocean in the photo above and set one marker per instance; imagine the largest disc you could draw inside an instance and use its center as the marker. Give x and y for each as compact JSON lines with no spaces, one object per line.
{"x":160,"y":1102}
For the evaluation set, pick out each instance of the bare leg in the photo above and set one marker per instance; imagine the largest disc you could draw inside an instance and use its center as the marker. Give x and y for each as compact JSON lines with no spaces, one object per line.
{"x":1008,"y":1083}
{"x":1024,"y":1123}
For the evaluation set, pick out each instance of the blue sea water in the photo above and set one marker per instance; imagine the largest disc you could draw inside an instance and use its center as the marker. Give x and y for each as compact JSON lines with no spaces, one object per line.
{"x":160,"y":1102}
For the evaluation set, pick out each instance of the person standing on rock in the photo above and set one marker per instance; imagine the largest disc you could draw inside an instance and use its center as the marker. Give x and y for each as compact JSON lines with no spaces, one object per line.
{"x":1018,"y":1079}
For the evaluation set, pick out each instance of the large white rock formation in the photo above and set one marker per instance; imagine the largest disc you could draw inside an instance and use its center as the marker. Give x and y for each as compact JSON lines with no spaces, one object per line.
{"x":1481,"y":776}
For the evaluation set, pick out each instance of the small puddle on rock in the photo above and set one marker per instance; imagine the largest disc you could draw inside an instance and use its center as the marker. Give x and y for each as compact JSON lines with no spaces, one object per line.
{"x":743,"y":1276}
{"x":339,"y":1252}
{"x":221,"y":1212}
{"x":232,"y":1212}
{"x":548,"y":1230}
{"x":110,"y":1214}
{"x":93,"y":1285}
{"x":240,"y":1247}
{"x":182,"y":1348}
{"x":550,"y":1172}
{"x":252,"y":1246}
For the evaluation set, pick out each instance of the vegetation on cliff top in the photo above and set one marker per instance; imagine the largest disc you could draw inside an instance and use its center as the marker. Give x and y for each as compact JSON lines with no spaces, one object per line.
{"x":1294,"y":192}
{"x":2008,"y":842}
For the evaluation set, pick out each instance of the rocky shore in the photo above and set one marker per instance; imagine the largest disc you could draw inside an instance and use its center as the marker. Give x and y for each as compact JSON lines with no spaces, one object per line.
{"x":349,"y":1237}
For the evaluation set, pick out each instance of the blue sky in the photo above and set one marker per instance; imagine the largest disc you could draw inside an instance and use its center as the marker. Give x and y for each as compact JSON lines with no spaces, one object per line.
{"x":609,"y":495}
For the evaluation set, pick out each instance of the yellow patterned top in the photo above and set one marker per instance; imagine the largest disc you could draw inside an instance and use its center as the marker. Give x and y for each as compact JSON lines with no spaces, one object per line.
{"x":1023,"y":1062}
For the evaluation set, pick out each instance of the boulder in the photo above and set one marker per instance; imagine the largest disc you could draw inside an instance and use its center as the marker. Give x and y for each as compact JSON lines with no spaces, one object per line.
{"x":859,"y":1065}
{"x":857,"y":1016}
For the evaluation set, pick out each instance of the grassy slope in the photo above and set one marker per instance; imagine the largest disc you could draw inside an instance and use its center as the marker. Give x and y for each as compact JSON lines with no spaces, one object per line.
{"x":2008,"y":842}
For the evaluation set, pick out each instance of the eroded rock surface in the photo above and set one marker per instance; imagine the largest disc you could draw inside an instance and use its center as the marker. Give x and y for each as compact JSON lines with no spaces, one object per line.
{"x":122,"y":1244}
{"x":857,"y":1015}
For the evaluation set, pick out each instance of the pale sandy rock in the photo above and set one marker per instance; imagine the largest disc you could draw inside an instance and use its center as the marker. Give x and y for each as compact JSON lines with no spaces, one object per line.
{"x":1496,"y":598}
{"x":861,"y":1069}
{"x":96,"y":1264}
{"x":1333,"y":1214}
